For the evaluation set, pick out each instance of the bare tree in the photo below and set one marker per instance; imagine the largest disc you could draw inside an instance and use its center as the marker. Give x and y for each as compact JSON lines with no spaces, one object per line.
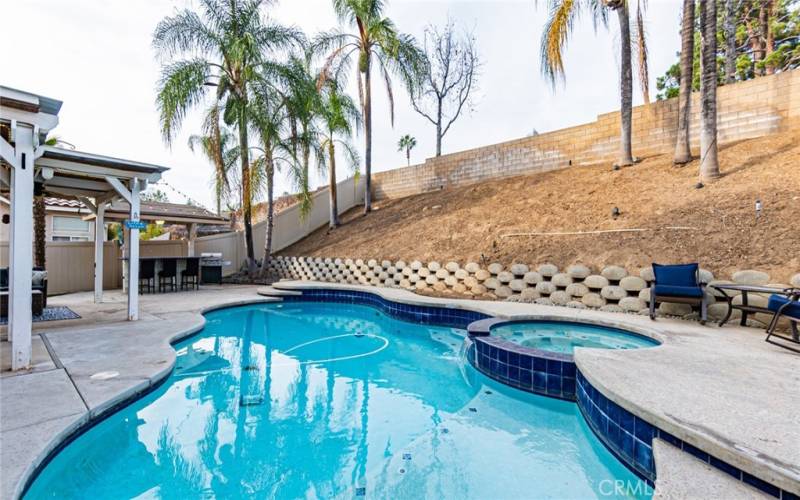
{"x":452,"y":75}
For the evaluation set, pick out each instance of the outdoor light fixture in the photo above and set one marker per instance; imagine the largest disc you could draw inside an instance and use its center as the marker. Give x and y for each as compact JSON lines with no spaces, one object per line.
{"x":159,"y":222}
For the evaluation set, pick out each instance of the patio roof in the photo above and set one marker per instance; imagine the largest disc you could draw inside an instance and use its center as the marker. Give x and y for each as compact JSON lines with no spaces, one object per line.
{"x":174,"y":213}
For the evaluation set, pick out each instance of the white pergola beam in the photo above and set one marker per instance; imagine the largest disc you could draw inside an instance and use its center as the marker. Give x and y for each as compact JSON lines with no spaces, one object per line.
{"x":8,"y":154}
{"x":20,"y":244}
{"x":119,"y":187}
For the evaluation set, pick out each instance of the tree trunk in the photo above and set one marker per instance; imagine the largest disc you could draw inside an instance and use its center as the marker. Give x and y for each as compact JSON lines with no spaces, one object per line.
{"x":709,"y":167}
{"x":334,"y":206}
{"x":246,"y":193}
{"x":408,"y":156}
{"x":368,"y":136}
{"x":439,"y":128}
{"x":270,"y":210}
{"x":730,"y":41}
{"x":683,"y":152}
{"x":769,"y":34}
{"x":626,"y":86}
{"x":39,"y":231}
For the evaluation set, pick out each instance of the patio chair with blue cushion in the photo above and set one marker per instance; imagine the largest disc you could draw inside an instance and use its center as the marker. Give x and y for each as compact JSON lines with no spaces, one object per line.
{"x":678,"y":283}
{"x":785,"y":306}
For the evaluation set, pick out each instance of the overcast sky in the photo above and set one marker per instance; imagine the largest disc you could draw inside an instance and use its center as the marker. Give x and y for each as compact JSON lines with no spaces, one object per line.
{"x":96,"y":56}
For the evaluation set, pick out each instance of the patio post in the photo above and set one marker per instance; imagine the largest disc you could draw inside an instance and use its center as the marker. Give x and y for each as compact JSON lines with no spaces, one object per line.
{"x":133,"y":261}
{"x":99,"y":238}
{"x":192,"y":237}
{"x":20,"y":244}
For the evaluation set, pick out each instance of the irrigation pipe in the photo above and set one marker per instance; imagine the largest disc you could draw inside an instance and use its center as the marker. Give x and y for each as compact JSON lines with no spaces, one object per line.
{"x":599,"y":231}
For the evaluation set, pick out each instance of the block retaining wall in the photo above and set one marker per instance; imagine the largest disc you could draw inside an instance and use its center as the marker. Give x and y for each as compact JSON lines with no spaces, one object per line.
{"x":749,"y":109}
{"x":611,"y":288}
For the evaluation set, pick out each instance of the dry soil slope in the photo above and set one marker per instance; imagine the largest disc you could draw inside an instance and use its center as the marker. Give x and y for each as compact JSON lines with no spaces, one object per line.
{"x":468,"y":223}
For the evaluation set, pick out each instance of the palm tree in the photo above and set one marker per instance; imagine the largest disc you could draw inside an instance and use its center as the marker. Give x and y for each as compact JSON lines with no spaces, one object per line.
{"x":683,"y":152}
{"x":303,"y":104}
{"x":556,"y":33}
{"x":709,"y":166}
{"x":224,"y":46}
{"x":376,"y":41}
{"x":270,"y":119}
{"x":217,"y":145}
{"x":338,"y":114}
{"x":407,"y":143}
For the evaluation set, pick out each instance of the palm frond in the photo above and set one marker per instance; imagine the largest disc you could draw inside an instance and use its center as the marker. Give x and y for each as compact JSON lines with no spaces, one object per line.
{"x":184,"y":32}
{"x":181,"y":87}
{"x":640,"y":41}
{"x":555,"y":36}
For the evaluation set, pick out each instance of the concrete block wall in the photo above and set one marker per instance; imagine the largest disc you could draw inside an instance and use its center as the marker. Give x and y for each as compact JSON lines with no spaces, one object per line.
{"x":746,"y":110}
{"x":612,"y":288}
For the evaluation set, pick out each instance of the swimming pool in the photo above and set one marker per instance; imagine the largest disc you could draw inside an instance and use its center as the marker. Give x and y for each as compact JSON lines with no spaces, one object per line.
{"x":564,"y":337}
{"x":310,"y":399}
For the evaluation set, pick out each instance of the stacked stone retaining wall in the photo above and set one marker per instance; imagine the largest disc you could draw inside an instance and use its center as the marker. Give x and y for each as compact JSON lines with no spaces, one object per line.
{"x":612,"y":288}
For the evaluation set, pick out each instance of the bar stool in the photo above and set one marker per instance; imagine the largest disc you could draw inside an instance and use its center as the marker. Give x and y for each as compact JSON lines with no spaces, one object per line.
{"x":147,"y":274}
{"x":191,"y":275}
{"x":168,"y":274}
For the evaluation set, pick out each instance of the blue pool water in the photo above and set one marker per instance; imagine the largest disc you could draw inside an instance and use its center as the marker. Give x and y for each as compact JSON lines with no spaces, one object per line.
{"x":320,"y":400}
{"x":565,"y":337}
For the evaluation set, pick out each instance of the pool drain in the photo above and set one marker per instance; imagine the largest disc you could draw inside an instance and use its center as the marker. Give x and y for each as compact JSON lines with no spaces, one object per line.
{"x":250,"y":400}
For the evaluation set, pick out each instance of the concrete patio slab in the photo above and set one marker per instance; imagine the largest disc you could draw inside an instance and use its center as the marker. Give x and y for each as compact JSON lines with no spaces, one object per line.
{"x":107,"y":361}
{"x":37,"y":409}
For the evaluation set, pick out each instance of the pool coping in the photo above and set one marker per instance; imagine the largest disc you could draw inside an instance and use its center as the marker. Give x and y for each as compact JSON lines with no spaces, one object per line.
{"x":755,"y":465}
{"x":91,"y":417}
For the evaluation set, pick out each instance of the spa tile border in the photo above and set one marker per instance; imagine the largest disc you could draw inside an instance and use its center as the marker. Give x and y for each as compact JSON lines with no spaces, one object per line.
{"x":426,"y":315}
{"x":532,"y":370}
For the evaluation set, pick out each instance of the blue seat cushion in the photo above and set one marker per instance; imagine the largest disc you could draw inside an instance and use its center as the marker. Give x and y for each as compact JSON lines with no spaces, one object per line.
{"x":678,"y":291}
{"x":777,"y":301}
{"x":676,"y":275}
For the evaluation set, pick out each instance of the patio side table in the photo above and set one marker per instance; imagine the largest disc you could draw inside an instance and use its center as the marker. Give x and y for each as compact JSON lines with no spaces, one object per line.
{"x":745,"y":306}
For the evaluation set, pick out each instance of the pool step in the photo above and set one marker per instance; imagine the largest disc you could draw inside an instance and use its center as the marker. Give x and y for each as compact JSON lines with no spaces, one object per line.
{"x":269,"y":291}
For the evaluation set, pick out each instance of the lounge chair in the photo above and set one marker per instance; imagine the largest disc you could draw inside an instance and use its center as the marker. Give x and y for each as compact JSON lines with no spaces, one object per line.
{"x":678,"y":283}
{"x":785,"y":306}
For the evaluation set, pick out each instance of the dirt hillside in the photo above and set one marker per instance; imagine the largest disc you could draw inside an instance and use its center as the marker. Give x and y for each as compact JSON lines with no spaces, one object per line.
{"x":475,"y":223}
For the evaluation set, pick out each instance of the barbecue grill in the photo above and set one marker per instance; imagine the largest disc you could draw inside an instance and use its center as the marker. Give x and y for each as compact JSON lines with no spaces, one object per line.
{"x":211,"y":267}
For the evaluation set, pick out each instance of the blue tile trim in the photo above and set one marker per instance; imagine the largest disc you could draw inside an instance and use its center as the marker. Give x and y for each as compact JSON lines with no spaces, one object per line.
{"x":630,"y":439}
{"x":540,"y":372}
{"x":427,"y":315}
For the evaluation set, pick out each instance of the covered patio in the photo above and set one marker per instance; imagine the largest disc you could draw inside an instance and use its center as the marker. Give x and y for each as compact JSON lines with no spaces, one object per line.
{"x":28,"y":167}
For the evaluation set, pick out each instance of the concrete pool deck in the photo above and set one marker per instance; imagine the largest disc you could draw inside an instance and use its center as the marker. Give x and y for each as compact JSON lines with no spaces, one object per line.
{"x":724,"y":390}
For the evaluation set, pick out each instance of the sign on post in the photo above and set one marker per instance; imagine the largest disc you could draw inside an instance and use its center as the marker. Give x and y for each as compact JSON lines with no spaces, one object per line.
{"x":135,"y":224}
